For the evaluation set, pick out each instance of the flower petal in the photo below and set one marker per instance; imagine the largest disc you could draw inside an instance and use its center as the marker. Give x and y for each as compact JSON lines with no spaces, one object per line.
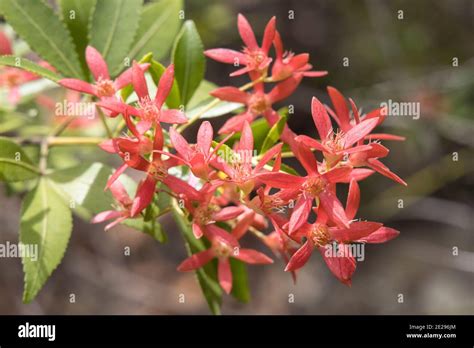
{"x":333,"y":207}
{"x":321,"y":119}
{"x":144,"y":196}
{"x":97,"y":64}
{"x":173,"y":116}
{"x":204,"y":137}
{"x":227,"y":213}
{"x":268,"y":34}
{"x":300,"y":214}
{"x":281,"y":180}
{"x":358,"y":132}
{"x":357,"y":230}
{"x":139,"y":82}
{"x":341,"y":266}
{"x":382,"y":169}
{"x":106,"y":215}
{"x":300,"y":257}
{"x":342,"y":111}
{"x":353,"y":200}
{"x":225,"y":55}
{"x":224,"y":274}
{"x":382,"y":235}
{"x":253,"y":257}
{"x":246,"y":32}
{"x":231,"y":94}
{"x":196,"y":261}
{"x":164,"y":86}
{"x":78,"y":85}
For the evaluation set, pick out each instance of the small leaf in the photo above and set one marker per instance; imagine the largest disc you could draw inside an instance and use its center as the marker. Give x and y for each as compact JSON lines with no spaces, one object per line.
{"x":44,"y":32}
{"x":11,"y":120}
{"x":273,"y":135}
{"x":113,"y":29}
{"x":189,"y":61}
{"x":240,"y":281}
{"x":222,"y":108}
{"x":46,"y":223}
{"x":14,"y":163}
{"x":157,"y":29}
{"x":28,"y":65}
{"x":156,"y":71}
{"x":76,"y":14}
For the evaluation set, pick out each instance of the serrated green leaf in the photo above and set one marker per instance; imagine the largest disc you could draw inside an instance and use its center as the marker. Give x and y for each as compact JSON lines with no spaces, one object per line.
{"x":240,"y":280}
{"x":28,"y":65}
{"x":113,"y":28}
{"x":207,"y":275}
{"x":273,"y":135}
{"x":76,"y":14}
{"x":156,"y":70}
{"x":157,"y":29}
{"x":14,"y":163}
{"x":189,"y":61}
{"x":47,"y":223}
{"x":44,"y":32}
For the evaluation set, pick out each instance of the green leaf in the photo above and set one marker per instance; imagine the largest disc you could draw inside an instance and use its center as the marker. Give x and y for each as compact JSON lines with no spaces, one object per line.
{"x":46,"y":222}
{"x":44,"y":32}
{"x":207,"y":275}
{"x":11,"y":120}
{"x":201,"y":95}
{"x":156,"y":70}
{"x":189,"y":61}
{"x":273,"y":135}
{"x":76,"y":14}
{"x":28,"y":65}
{"x":14,"y":163}
{"x":113,"y":29}
{"x":222,"y":108}
{"x":152,"y":228}
{"x":157,"y":29}
{"x":240,"y":281}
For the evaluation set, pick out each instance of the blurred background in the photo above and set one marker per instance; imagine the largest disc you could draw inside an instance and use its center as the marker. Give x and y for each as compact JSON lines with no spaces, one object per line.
{"x":407,"y":51}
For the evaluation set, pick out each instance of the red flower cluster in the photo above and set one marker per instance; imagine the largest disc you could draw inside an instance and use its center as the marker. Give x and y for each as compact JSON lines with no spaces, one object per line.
{"x":233,"y":191}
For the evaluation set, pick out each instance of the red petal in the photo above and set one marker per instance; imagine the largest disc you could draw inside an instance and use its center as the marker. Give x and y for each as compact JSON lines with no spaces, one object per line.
{"x":382,"y":235}
{"x":278,"y":44}
{"x":243,"y":225}
{"x":300,"y":214}
{"x":139,"y":82}
{"x":106,"y":215}
{"x":231,"y":94}
{"x":306,"y":158}
{"x":246,"y":140}
{"x":357,"y":230}
{"x":204,"y":137}
{"x":275,"y":150}
{"x":310,"y":142}
{"x":78,"y":85}
{"x":5,"y":45}
{"x":253,"y":257}
{"x":284,"y":89}
{"x":119,"y":192}
{"x":383,"y":136}
{"x":173,"y":116}
{"x":321,"y":119}
{"x":97,"y":64}
{"x":227,"y":213}
{"x":198,"y":231}
{"x":180,"y":186}
{"x":300,"y":257}
{"x":382,"y":169}
{"x":164,"y":86}
{"x":224,"y":274}
{"x":333,"y":207}
{"x":281,"y":180}
{"x":125,"y":78}
{"x":235,"y":123}
{"x":358,"y":132}
{"x":339,"y":174}
{"x":224,"y":55}
{"x":246,"y":33}
{"x":353,"y":200}
{"x":342,"y":111}
{"x":268,"y":35}
{"x":196,"y":261}
{"x":116,"y":175}
{"x":144,"y":196}
{"x":180,"y":144}
{"x":341,"y":266}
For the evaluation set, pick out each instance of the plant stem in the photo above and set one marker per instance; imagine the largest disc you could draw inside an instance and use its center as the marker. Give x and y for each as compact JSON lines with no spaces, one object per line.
{"x":58,"y":141}
{"x":215,"y":102}
{"x":104,"y":122}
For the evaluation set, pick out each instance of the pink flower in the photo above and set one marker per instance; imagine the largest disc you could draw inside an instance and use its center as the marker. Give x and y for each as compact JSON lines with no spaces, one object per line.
{"x":223,"y":246}
{"x":150,"y":111}
{"x":123,"y":210}
{"x":288,"y":64}
{"x":254,"y":57}
{"x":257,"y":103}
{"x":103,"y":88}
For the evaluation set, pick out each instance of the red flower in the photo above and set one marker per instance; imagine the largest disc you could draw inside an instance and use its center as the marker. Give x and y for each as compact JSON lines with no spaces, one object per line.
{"x":288,"y":64}
{"x":254,"y":57}
{"x":240,"y":170}
{"x":257,"y":103}
{"x":335,"y":145}
{"x":223,"y":246}
{"x":315,"y":186}
{"x":104,"y":88}
{"x":123,"y":210}
{"x":150,"y":111}
{"x":197,"y":156}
